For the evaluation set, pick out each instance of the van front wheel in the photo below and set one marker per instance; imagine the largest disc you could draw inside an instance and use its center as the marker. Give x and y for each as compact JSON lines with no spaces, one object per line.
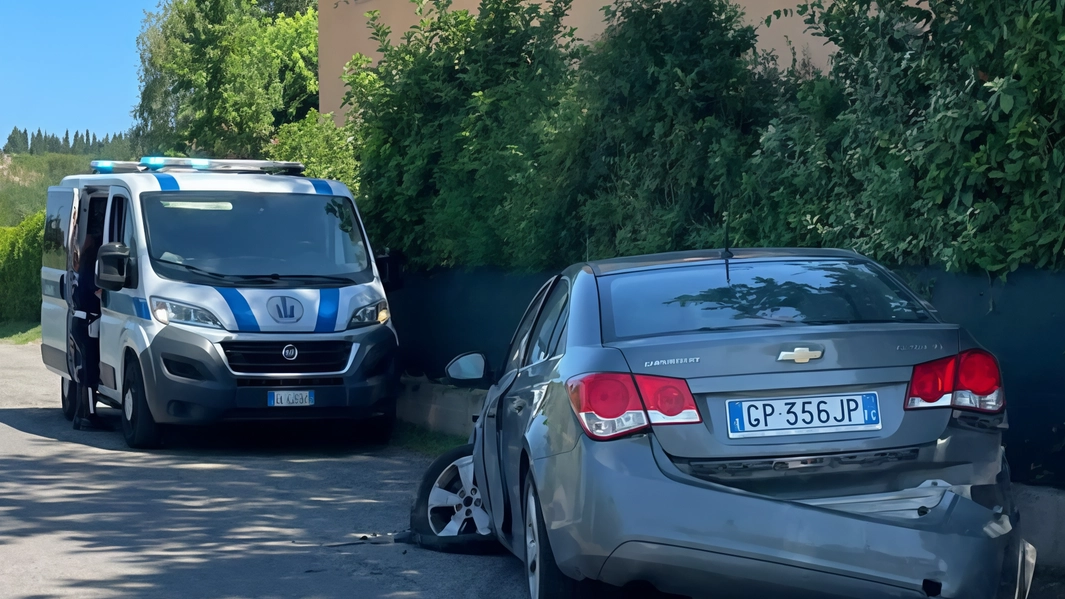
{"x":138,"y":426}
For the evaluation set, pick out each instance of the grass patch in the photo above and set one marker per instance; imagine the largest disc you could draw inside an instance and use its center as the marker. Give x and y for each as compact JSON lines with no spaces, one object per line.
{"x":19,"y":333}
{"x":424,"y":442}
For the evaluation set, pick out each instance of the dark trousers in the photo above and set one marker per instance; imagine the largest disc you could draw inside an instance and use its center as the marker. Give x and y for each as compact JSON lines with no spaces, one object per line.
{"x":87,"y":363}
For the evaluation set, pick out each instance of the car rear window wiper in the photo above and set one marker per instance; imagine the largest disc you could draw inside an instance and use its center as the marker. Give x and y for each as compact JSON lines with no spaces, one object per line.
{"x":867,"y":321}
{"x":753,"y":325}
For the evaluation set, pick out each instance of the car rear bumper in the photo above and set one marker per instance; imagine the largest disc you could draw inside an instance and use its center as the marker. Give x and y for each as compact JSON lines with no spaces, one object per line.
{"x":620,"y":512}
{"x":188,"y":381}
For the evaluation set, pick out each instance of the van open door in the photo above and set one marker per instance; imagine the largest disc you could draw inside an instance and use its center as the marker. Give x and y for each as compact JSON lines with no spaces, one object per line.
{"x":56,"y":282}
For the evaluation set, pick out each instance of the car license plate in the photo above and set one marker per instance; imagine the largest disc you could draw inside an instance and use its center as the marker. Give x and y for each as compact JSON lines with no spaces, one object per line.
{"x":803,"y":416}
{"x":282,"y":399}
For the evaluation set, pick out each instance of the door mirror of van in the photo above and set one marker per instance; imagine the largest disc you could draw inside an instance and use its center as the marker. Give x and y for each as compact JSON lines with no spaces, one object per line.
{"x":468,"y":368}
{"x":389,"y":267}
{"x":112,"y":267}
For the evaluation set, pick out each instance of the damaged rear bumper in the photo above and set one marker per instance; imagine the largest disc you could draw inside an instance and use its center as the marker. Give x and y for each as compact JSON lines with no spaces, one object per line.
{"x":621,"y":512}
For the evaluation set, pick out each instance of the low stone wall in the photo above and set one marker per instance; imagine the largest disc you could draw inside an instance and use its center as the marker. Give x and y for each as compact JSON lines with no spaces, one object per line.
{"x":439,"y":408}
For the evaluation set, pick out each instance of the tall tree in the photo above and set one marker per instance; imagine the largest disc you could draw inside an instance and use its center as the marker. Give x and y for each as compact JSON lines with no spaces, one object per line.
{"x":66,"y":142}
{"x":218,"y":77}
{"x":15,"y":143}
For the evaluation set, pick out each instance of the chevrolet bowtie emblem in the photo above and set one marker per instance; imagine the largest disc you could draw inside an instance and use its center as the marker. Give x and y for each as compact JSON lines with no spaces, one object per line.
{"x":801,"y":355}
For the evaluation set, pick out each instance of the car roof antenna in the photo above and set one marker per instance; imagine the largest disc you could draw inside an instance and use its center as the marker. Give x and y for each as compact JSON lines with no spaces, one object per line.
{"x":727,"y":253}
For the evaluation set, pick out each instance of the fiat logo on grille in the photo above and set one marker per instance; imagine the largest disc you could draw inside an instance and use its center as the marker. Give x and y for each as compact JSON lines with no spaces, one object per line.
{"x":290,"y":352}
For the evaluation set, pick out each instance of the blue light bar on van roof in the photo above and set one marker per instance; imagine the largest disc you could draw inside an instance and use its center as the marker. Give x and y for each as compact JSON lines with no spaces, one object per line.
{"x":108,"y":167}
{"x":212,"y":165}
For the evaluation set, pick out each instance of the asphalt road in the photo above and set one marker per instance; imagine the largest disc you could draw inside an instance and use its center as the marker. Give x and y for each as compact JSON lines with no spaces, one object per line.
{"x":247,"y":513}
{"x":220,"y":514}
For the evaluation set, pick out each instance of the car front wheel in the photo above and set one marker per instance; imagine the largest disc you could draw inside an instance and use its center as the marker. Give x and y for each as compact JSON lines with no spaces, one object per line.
{"x":450,"y":513}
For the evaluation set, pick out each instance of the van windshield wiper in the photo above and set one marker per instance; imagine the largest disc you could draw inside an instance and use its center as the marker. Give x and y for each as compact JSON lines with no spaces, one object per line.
{"x":199,"y":271}
{"x":309,"y":278}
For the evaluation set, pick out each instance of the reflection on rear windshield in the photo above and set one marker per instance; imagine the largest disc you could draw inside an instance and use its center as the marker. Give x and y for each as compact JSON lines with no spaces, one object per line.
{"x":695,"y":298}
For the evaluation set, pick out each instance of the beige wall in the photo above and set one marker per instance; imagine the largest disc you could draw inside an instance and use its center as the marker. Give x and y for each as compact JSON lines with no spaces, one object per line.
{"x":343,"y":32}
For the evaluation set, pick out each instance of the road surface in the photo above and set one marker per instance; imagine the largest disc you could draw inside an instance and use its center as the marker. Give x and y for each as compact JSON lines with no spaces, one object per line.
{"x":219,"y":514}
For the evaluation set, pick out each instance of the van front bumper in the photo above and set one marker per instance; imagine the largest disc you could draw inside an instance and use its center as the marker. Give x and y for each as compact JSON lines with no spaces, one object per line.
{"x":189,"y":380}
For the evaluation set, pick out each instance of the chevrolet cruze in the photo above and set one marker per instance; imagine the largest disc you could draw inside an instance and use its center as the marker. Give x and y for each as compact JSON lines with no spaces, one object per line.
{"x":756,"y":423}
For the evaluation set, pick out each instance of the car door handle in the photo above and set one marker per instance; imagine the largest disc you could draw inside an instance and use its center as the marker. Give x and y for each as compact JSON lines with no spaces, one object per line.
{"x":518,"y":405}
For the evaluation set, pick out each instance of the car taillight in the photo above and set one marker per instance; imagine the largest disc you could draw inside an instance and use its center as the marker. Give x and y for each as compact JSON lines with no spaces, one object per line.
{"x":668,"y":401}
{"x":609,"y":405}
{"x":969,"y":381}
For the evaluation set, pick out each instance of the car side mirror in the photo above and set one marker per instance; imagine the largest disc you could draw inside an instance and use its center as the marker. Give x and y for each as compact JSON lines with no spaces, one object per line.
{"x":468,"y":368}
{"x":389,"y":267}
{"x":112,"y":267}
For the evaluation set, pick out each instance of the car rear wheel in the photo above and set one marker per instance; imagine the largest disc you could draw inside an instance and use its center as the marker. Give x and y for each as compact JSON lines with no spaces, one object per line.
{"x":138,"y":426}
{"x":67,"y":391}
{"x":546,"y":581}
{"x":449,"y":513}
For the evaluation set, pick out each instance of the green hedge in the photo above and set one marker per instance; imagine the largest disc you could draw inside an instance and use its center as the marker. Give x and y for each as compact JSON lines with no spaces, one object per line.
{"x":935,"y":138}
{"x":20,"y":270}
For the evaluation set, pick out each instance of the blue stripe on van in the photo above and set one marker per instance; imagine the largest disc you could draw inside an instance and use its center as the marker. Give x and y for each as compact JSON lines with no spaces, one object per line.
{"x":127,"y":305}
{"x":322,"y":187}
{"x":328,"y":308}
{"x":140,"y":307}
{"x":241,"y":310}
{"x":167,"y":182}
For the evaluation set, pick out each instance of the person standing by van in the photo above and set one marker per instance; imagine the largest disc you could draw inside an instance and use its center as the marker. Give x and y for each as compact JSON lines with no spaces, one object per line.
{"x":87,"y":337}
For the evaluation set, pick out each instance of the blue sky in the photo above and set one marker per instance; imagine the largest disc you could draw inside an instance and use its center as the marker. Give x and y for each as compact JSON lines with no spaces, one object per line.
{"x":69,"y":64}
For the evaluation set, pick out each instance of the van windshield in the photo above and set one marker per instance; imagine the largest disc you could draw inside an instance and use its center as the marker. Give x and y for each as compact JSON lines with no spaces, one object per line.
{"x":235,"y":238}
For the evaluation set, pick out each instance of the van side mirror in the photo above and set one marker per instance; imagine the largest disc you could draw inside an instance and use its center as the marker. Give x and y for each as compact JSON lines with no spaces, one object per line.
{"x":468,"y":368}
{"x":390,"y":268}
{"x":112,"y":267}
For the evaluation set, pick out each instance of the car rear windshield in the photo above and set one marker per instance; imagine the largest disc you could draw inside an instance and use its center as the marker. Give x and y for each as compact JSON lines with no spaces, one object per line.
{"x":709,"y":297}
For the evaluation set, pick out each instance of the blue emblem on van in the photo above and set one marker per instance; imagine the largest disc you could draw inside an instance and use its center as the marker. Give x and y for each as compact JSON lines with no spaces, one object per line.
{"x":284,"y":309}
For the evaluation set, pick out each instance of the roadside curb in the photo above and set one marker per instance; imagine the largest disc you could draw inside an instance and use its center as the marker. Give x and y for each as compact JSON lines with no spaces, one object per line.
{"x":1043,"y":522}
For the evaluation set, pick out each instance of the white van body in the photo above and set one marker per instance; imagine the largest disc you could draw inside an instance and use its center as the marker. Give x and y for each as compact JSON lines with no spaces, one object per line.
{"x":247,"y":295}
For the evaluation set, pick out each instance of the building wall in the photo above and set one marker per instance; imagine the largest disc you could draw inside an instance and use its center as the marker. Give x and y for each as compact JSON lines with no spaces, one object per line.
{"x":343,"y":32}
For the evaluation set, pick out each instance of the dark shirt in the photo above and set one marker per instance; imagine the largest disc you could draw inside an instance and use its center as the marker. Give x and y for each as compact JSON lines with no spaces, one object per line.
{"x":85,"y":293}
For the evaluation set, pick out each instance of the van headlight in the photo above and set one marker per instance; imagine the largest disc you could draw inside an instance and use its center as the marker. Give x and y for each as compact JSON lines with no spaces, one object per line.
{"x":376,"y":313}
{"x":171,"y":312}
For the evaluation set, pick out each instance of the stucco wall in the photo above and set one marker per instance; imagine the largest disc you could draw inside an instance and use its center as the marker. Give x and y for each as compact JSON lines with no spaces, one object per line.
{"x":343,"y":32}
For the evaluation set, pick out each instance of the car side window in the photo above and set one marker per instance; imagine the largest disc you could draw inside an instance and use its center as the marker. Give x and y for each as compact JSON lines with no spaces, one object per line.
{"x":521,"y":336}
{"x":550,"y":319}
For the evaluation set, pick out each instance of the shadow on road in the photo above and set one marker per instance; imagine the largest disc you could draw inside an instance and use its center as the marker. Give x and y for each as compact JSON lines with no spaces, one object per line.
{"x":261,"y":511}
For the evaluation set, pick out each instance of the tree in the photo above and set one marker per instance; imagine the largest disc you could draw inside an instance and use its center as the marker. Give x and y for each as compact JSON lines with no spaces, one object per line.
{"x":287,"y":8}
{"x":219,"y":76}
{"x":66,"y":142}
{"x":17,"y":143}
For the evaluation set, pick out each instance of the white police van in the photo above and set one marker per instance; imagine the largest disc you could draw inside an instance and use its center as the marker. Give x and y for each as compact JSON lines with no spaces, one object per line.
{"x":232,"y":290}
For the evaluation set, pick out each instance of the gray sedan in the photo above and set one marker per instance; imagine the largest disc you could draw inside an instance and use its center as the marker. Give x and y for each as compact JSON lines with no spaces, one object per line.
{"x":756,"y":423}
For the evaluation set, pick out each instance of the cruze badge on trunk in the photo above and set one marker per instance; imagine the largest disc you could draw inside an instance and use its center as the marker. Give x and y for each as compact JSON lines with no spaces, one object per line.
{"x":801,"y":355}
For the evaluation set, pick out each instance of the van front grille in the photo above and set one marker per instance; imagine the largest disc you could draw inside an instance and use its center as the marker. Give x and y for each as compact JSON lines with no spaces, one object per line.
{"x":272,"y":357}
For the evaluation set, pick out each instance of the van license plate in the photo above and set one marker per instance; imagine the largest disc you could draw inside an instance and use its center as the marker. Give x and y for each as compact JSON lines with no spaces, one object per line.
{"x":804,"y":416}
{"x":282,"y":399}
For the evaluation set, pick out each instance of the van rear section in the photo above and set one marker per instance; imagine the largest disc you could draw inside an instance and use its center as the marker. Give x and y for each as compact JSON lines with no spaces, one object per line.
{"x":811,"y":379}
